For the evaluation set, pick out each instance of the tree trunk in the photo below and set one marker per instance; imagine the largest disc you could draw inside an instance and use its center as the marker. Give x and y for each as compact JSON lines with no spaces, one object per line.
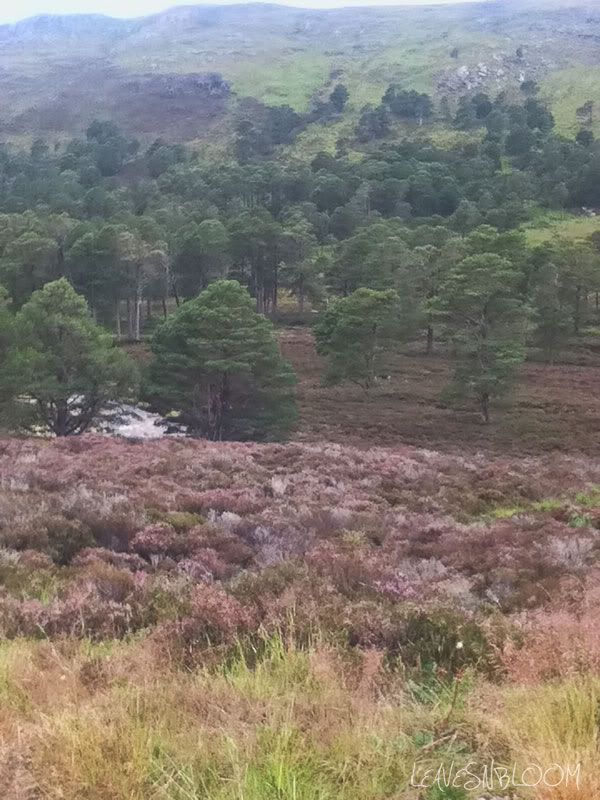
{"x":138,"y":314}
{"x":429,"y":346}
{"x":61,"y":419}
{"x":129,"y":319}
{"x":118,"y":320}
{"x":484,"y":401}
{"x":260,"y":300}
{"x":217,"y":405}
{"x":275,"y":289}
{"x":60,"y":259}
{"x":138,"y":300}
{"x":577,"y":312}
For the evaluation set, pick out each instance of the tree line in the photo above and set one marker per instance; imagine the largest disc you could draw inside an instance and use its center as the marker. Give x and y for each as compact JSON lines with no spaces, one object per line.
{"x":410,"y":241}
{"x":215,"y":360}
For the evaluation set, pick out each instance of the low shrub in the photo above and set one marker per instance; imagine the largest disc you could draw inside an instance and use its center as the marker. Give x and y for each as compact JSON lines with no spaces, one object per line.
{"x":216,"y":620}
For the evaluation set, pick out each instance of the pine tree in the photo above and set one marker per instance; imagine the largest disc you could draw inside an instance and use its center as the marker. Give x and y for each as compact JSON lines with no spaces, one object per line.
{"x":339,"y":97}
{"x":356,"y":335}
{"x":551,"y":312}
{"x":7,"y":340}
{"x":218,"y":362}
{"x":485,"y":318}
{"x":65,"y":363}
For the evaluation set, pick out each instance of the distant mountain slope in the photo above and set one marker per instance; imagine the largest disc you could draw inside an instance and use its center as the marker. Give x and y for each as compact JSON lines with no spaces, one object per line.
{"x":57,"y":73}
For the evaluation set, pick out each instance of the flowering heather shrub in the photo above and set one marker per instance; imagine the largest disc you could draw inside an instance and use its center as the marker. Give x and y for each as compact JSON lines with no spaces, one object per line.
{"x":226,"y":519}
{"x":274,"y":546}
{"x":10,"y":558}
{"x":157,"y":539}
{"x":262,"y":589}
{"x":94,"y":555}
{"x":219,"y":611}
{"x":206,"y":565}
{"x":182,"y":521}
{"x":82,"y":613}
{"x":164,"y":597}
{"x":42,"y":582}
{"x":215,"y":620}
{"x":413,"y":637}
{"x":34,"y":560}
{"x":554,"y":645}
{"x":573,"y":552}
{"x":351,"y":568}
{"x":25,"y":532}
{"x":322,"y":521}
{"x":231,"y":548}
{"x":235,"y":501}
{"x":297,"y":538}
{"x":66,"y":538}
{"x":560,"y":641}
{"x":300,"y":607}
{"x":432,"y":639}
{"x":88,"y":614}
{"x":20,"y":618}
{"x":399,"y":587}
{"x":111,"y":518}
{"x":54,"y":534}
{"x":108,"y":582}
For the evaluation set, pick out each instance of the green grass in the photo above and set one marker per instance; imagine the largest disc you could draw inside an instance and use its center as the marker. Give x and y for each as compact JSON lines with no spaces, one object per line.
{"x":299,"y":725}
{"x":319,"y":139}
{"x":290,"y":81}
{"x":589,"y":499}
{"x":552,"y":224}
{"x":508,"y":512}
{"x":567,"y":90}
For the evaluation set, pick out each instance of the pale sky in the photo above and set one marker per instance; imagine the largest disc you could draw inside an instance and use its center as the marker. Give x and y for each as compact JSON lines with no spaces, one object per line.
{"x":137,"y":8}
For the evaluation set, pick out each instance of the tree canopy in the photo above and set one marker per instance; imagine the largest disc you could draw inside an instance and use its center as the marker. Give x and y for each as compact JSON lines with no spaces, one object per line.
{"x":357,"y":334}
{"x":217,"y":361}
{"x":64,"y":367}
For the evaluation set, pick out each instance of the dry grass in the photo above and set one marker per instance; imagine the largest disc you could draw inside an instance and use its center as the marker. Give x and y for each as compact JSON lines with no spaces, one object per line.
{"x":302,"y":724}
{"x":551,"y":724}
{"x":117,"y":723}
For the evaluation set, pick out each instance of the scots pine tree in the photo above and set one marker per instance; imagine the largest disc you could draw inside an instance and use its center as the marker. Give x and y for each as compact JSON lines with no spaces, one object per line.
{"x":551,"y":312}
{"x":485,"y":318}
{"x":64,"y":363}
{"x":357,"y":334}
{"x":7,"y":341}
{"x":217,"y":361}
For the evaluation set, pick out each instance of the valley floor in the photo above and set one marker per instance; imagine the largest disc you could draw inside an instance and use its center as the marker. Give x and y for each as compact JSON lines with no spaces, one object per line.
{"x":553,"y":408}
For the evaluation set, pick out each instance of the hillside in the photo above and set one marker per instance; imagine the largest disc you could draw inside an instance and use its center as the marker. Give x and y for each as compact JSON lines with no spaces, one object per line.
{"x":151,"y":75}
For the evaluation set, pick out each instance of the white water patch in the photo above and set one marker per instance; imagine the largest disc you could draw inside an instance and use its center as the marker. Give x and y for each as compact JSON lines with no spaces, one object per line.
{"x":132,"y":422}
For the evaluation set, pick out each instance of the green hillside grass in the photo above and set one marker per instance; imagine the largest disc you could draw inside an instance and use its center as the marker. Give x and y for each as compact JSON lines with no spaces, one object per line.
{"x":56,"y":72}
{"x":288,"y":81}
{"x":549,"y":225}
{"x":567,"y":90}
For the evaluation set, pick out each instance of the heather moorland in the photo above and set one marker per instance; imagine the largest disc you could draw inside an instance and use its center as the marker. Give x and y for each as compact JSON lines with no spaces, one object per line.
{"x":299,"y":404}
{"x":300,"y":620}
